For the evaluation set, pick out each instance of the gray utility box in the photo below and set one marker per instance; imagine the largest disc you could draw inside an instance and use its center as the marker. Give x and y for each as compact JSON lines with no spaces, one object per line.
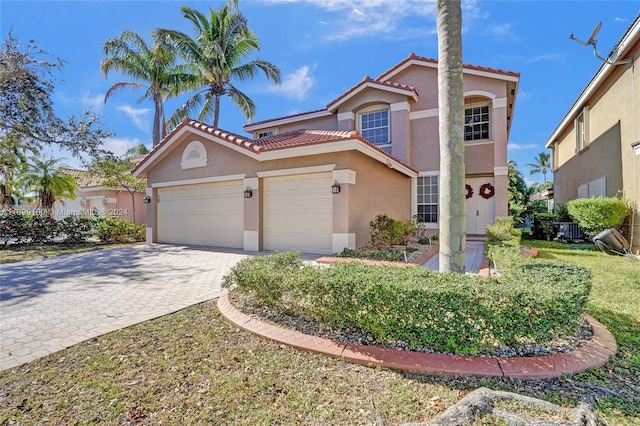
{"x":611,"y":241}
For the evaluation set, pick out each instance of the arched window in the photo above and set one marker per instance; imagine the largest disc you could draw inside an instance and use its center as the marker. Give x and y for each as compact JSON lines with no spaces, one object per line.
{"x":194,"y":155}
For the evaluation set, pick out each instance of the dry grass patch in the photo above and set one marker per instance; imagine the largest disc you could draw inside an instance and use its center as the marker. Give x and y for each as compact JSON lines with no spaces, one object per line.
{"x":194,"y":368}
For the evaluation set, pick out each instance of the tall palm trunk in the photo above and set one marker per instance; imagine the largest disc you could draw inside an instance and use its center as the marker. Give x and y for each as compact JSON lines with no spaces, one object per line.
{"x":451,"y":120}
{"x":158,"y":120}
{"x":216,"y":113}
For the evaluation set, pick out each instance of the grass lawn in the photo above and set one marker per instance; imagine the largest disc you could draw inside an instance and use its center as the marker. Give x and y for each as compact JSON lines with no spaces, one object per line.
{"x":192,"y":367}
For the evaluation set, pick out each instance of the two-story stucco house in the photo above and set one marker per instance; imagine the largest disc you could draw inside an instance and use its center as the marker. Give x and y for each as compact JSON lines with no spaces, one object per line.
{"x":595,"y":148}
{"x":313,"y":181}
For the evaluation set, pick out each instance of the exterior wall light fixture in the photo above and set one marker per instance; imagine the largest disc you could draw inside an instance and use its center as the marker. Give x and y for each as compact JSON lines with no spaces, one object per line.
{"x":146,"y":199}
{"x":335,"y":188}
{"x":248,"y":193}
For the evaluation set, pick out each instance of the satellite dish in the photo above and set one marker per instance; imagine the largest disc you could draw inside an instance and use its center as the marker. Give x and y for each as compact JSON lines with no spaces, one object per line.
{"x":594,"y":33}
{"x":591,"y":41}
{"x":612,"y":59}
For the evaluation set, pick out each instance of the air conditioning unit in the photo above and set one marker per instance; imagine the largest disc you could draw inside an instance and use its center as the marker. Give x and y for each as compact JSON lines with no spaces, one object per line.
{"x":569,"y":231}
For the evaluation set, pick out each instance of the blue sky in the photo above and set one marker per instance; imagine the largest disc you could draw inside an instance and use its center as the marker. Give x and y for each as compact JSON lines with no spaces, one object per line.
{"x":323,"y":47}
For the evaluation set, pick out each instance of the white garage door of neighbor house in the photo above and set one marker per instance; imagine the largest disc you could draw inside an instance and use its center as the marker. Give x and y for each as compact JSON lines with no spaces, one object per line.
{"x":298,"y":213}
{"x":209,"y":214}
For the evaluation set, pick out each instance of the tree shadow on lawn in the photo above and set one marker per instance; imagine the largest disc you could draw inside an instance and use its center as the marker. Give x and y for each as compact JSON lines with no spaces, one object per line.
{"x":615,"y":385}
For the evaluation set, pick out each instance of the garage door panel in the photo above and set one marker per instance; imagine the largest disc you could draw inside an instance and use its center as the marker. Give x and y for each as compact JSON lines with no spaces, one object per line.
{"x":298,"y":213}
{"x":207,"y":214}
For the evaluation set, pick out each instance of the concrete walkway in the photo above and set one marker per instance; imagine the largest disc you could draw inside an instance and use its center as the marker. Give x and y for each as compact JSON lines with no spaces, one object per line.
{"x":475,"y":260}
{"x":50,"y":304}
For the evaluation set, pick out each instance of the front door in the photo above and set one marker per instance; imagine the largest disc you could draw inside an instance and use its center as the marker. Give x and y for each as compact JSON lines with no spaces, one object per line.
{"x":480,"y":209}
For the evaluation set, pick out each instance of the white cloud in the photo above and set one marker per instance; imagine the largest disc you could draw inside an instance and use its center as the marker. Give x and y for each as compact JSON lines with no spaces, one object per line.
{"x":295,"y":85}
{"x":546,"y":57}
{"x":349,"y":19}
{"x":137,"y":115}
{"x":356,"y":18}
{"x":118,"y":146}
{"x":92,"y":101}
{"x":502,"y":32}
{"x":522,"y":147}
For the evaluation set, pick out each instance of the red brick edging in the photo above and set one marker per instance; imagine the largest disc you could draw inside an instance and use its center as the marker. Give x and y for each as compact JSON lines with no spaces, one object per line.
{"x":594,"y":353}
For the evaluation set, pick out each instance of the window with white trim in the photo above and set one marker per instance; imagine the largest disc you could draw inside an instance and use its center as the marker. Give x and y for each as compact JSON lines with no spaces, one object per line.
{"x":427,"y":199}
{"x":477,"y":122}
{"x":374,"y":127}
{"x":581,"y":129}
{"x":265,"y":134}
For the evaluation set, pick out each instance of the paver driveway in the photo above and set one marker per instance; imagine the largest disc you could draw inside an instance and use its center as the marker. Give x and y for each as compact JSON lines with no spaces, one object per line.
{"x":50,"y":304}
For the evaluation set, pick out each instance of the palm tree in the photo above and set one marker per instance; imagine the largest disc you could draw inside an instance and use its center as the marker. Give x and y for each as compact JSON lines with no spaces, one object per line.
{"x":48,"y":181}
{"x":13,"y":159}
{"x":451,"y":121}
{"x":216,"y":54}
{"x":154,"y":67}
{"x":542,"y":164}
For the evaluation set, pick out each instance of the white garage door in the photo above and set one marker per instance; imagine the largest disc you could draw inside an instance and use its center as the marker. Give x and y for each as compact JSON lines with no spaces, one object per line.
{"x":298,"y":213}
{"x":208,"y":214}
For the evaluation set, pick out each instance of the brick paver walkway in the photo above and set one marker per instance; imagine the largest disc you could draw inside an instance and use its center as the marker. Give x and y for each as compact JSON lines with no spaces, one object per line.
{"x":50,"y":304}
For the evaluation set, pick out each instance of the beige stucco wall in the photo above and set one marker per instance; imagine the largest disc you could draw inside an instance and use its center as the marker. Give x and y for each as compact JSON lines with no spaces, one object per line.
{"x":378,"y":188}
{"x":415,"y":131}
{"x":119,"y":204}
{"x":617,"y":99}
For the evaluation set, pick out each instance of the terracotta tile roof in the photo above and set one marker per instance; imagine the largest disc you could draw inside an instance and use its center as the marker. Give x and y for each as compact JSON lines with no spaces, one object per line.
{"x":294,"y":139}
{"x":413,"y":56}
{"x":304,"y":137}
{"x":300,"y":114}
{"x":284,"y":140}
{"x":83,"y":178}
{"x":381,"y":82}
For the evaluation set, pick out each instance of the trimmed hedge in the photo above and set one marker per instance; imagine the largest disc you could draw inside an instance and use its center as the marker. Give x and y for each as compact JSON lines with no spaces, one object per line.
{"x":594,"y":215}
{"x":530,"y":302}
{"x":25,"y":227}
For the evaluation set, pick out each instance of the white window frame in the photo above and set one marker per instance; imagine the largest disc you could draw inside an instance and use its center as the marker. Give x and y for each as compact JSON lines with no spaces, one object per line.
{"x":372,"y":110}
{"x":489,"y":121}
{"x":419,"y":194}
{"x":194,"y":156}
{"x":581,"y":128}
{"x":266,"y":133}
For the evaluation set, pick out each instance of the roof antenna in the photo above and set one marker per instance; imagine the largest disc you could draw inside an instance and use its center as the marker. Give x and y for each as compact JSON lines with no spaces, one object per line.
{"x":611,"y":60}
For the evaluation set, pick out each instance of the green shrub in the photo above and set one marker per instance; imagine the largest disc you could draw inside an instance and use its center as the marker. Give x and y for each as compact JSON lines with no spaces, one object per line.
{"x":267,"y":278}
{"x":387,"y":231}
{"x":562,"y":213}
{"x":115,"y":229}
{"x":503,"y":230}
{"x":76,"y":229}
{"x":13,"y":226}
{"x":544,"y":226}
{"x":27,"y":227}
{"x":530,"y":302}
{"x":594,"y":215}
{"x":390,"y":254}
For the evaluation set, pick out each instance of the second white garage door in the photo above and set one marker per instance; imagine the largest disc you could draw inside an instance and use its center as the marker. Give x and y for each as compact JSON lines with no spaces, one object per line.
{"x":209,"y":214}
{"x":298,"y":213}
